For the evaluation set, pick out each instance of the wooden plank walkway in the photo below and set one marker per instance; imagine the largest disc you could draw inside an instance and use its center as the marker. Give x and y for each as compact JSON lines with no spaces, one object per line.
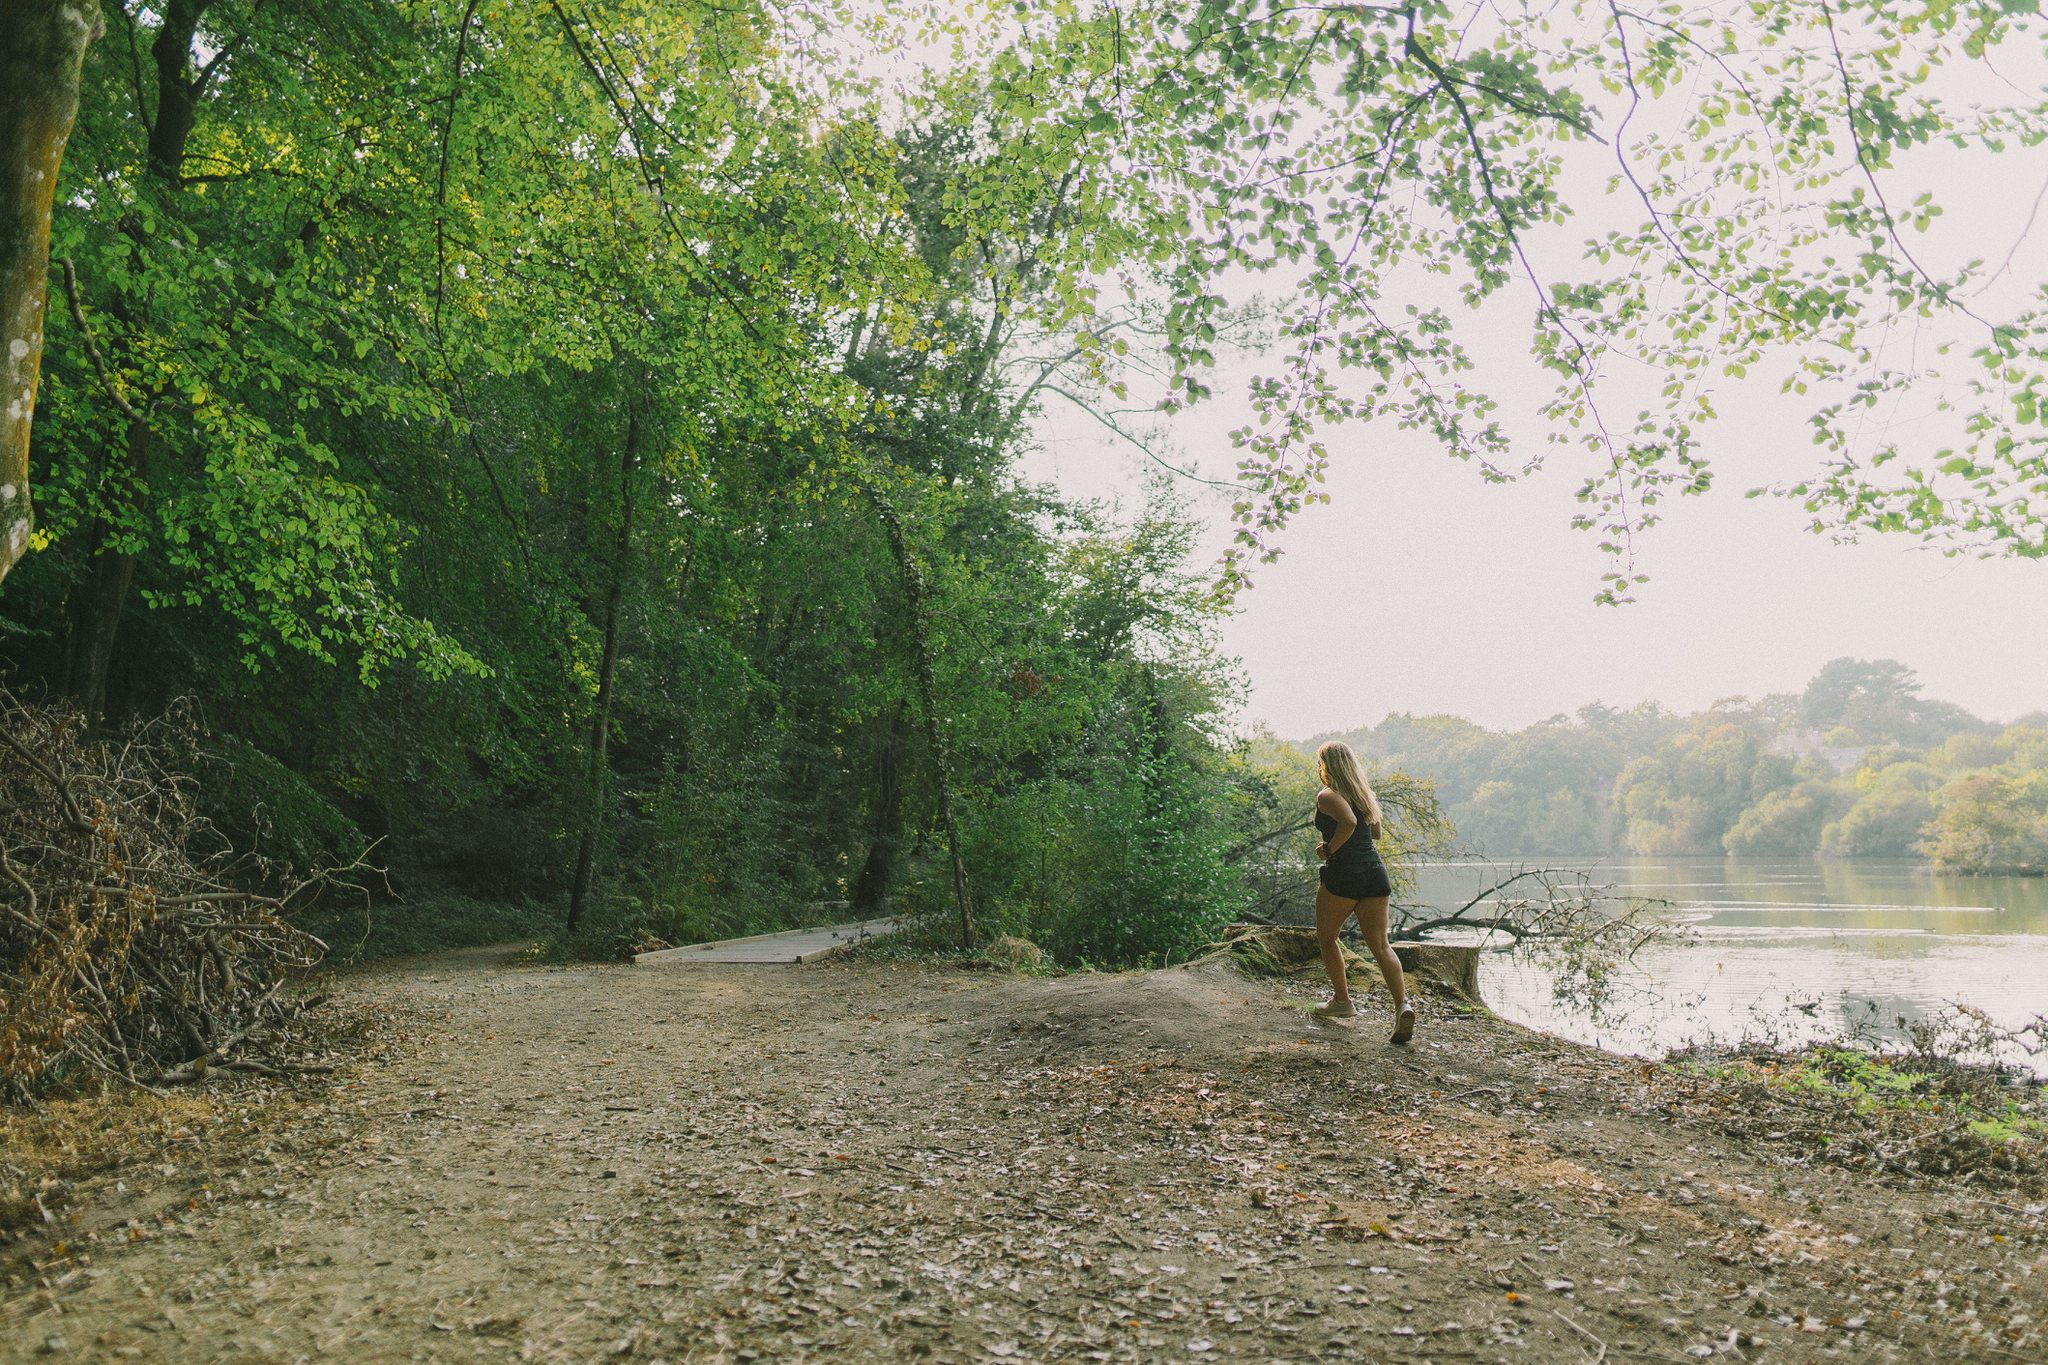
{"x":789,"y":946}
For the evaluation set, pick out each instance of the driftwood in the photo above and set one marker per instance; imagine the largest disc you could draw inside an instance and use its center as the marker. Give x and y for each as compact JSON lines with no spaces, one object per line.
{"x":1530,"y":903}
{"x":130,"y":945}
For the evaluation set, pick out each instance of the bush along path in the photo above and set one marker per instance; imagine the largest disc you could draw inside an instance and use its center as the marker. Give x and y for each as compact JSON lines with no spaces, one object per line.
{"x":887,"y":1161}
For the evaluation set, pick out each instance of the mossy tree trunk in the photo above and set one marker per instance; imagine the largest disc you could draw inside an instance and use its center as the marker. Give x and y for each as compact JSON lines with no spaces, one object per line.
{"x":42,"y":47}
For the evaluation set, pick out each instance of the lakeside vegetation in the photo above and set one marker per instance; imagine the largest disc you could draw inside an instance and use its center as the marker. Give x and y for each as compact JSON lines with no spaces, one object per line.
{"x":1858,"y":764}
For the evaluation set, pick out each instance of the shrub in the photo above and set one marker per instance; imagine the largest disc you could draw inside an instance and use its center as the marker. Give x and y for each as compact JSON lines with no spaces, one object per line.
{"x":1785,"y":824}
{"x":1884,"y":823}
{"x":1987,"y":823}
{"x":259,"y":805}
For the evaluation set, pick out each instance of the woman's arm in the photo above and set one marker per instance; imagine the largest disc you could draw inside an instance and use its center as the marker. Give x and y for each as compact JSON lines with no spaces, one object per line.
{"x":1338,"y":809}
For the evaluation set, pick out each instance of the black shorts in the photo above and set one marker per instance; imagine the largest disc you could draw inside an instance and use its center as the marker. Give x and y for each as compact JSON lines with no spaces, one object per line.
{"x":1357,"y":881}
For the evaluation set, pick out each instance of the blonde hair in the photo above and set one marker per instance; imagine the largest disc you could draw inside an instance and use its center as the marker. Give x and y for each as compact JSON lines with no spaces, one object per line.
{"x":1338,"y":767}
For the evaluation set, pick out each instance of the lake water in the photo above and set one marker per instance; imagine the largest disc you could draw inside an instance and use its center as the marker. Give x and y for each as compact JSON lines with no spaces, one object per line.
{"x":1769,"y":934}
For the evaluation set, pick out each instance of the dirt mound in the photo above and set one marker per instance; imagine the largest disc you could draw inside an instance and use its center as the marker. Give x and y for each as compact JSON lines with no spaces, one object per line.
{"x":1287,"y":951}
{"x":1197,"y":1013}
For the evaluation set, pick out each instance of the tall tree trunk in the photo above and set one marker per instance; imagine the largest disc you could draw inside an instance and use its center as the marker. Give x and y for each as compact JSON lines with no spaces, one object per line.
{"x":98,"y":619}
{"x":607,"y":672}
{"x":885,"y":845}
{"x":928,"y":691}
{"x":96,"y":606}
{"x":42,"y":48}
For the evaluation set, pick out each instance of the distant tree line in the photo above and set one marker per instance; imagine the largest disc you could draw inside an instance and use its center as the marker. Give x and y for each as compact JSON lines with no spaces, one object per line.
{"x":1858,"y":764}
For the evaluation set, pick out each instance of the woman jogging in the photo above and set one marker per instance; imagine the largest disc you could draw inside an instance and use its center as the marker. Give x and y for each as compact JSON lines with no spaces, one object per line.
{"x":1354,"y":882}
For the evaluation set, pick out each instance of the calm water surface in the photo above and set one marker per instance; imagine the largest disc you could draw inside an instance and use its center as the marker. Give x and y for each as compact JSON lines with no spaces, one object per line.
{"x":1772,"y":934}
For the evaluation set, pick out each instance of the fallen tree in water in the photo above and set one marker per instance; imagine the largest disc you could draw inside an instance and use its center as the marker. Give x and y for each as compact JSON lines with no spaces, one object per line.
{"x":130,"y":945}
{"x":1585,"y":934}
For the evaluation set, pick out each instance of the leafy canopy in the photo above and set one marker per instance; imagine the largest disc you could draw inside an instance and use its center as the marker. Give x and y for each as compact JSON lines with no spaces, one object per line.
{"x":1396,"y":167}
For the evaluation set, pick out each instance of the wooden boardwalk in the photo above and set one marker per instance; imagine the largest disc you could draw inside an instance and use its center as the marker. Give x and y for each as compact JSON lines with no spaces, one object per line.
{"x":789,"y":946}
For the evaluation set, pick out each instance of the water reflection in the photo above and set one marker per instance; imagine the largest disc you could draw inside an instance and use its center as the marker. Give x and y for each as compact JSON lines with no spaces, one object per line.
{"x":1773,"y":935}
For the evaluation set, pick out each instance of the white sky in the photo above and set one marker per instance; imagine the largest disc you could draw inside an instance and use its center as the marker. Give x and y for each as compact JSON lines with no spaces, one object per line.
{"x":1420,"y":588}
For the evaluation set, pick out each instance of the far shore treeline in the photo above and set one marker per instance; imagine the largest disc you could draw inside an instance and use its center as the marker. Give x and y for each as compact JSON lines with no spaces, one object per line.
{"x":1859,"y":764}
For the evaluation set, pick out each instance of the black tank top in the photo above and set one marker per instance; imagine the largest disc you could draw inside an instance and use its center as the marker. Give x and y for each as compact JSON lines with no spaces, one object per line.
{"x":1357,"y":850}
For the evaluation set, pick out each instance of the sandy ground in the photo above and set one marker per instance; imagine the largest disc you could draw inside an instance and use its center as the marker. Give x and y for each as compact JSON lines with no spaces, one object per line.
{"x":902,"y":1163}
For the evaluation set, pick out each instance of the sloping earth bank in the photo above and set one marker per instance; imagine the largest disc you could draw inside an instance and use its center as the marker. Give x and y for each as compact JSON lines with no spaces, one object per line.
{"x":895,"y":1162}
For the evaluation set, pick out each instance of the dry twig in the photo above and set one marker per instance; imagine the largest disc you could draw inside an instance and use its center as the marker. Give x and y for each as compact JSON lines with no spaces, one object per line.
{"x":128,"y":942}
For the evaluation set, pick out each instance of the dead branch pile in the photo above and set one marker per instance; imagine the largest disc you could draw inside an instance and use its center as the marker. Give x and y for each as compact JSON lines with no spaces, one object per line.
{"x":126,"y":948}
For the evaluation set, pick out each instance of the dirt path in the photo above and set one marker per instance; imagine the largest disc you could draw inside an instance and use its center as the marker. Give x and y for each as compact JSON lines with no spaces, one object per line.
{"x":889,"y":1162}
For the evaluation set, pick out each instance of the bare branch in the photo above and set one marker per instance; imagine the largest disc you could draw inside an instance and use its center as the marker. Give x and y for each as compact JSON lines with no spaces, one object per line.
{"x":99,"y":365}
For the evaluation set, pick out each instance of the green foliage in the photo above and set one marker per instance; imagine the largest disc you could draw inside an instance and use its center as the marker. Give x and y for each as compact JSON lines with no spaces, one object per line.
{"x":497,"y":403}
{"x":264,"y":808}
{"x":561,"y":354}
{"x":1757,"y":780}
{"x":356,"y":929}
{"x":1888,"y":1086}
{"x":1885,"y":822}
{"x":1786,"y":823}
{"x":1879,"y":702}
{"x":1270,"y":803}
{"x":1547,"y":789}
{"x":1126,"y":869}
{"x":1685,"y":797}
{"x":1991,"y":822}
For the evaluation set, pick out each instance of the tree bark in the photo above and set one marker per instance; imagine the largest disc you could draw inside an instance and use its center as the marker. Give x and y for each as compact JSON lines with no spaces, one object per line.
{"x":177,"y":93}
{"x":607,"y":673}
{"x":42,"y":48}
{"x":885,"y":846}
{"x":97,"y":605}
{"x":935,"y":736}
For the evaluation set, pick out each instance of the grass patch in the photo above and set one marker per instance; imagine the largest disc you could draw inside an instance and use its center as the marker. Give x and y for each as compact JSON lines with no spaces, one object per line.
{"x":1914,"y":1115}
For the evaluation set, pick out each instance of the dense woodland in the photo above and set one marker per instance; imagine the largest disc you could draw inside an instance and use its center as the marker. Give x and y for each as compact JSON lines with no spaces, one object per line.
{"x":492,"y":525}
{"x":1858,"y":764}
{"x":572,"y":451}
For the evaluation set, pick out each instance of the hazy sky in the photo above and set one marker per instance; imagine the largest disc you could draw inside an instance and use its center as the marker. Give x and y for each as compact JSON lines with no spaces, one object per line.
{"x":1421,"y":588}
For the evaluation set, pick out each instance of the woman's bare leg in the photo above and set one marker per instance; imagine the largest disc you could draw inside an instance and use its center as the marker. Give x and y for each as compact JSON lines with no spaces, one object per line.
{"x":1372,"y":922}
{"x":1331,"y":912}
